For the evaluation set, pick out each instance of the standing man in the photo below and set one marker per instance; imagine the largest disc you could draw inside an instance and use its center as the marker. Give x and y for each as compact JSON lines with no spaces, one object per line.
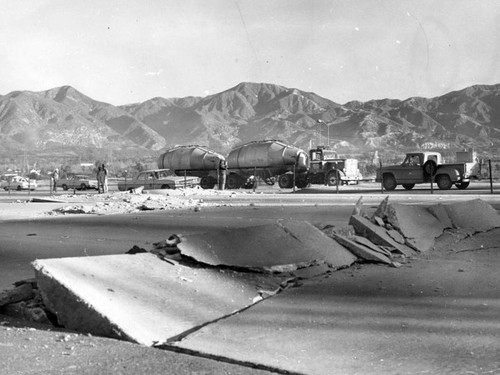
{"x":105,"y":179}
{"x":99,"y":180}
{"x":55,"y":178}
{"x":222,"y":174}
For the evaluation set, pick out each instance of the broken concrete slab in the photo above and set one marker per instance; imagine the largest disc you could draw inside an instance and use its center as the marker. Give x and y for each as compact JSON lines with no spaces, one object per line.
{"x":377,"y":234}
{"x":362,"y":251}
{"x":439,"y":211}
{"x":268,"y":247}
{"x":415,"y":223}
{"x":366,"y":242}
{"x":140,"y":298}
{"x":475,"y":214}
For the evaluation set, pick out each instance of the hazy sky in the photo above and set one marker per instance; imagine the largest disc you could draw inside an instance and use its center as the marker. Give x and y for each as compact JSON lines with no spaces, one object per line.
{"x":126,"y":51}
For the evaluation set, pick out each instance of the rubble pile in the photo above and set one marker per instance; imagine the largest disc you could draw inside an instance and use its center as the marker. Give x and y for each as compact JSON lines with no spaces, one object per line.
{"x":205,"y":277}
{"x":135,"y":201}
{"x":24,"y":302}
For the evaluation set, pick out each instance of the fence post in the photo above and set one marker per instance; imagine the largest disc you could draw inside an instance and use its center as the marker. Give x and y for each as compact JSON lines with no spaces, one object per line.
{"x":491,"y":176}
{"x":381,"y":178}
{"x":185,"y":179}
{"x":294,"y":178}
{"x":337,"y":178}
{"x":254,"y":179}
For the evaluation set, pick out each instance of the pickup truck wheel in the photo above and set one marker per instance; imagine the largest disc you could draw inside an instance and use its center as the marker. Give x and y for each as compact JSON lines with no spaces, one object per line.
{"x":83,"y":187}
{"x":285,"y":181}
{"x":444,"y":182}
{"x":19,"y":188}
{"x":408,"y":186}
{"x":207,"y":183}
{"x":430,"y":167}
{"x":331,"y":178}
{"x":165,"y":186}
{"x":65,"y":187}
{"x":389,"y":182}
{"x":233,"y":182}
{"x":462,"y":185}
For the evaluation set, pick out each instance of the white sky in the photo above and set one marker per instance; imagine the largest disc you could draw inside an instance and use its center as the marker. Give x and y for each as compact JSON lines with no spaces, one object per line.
{"x":126,"y":51}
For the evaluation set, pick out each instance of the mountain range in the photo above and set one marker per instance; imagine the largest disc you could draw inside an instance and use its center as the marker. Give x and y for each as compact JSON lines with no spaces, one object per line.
{"x":65,"y":120}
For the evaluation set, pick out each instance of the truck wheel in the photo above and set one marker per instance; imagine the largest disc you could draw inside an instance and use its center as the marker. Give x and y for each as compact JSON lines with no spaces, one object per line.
{"x":83,"y":187}
{"x":444,"y":182}
{"x":430,"y":167}
{"x":233,"y":182}
{"x":389,"y":182}
{"x":19,"y":188}
{"x":302,"y":183}
{"x":331,"y":178}
{"x":285,"y":181}
{"x":207,"y":183}
{"x":65,"y":187}
{"x":408,"y":186}
{"x":462,"y":185}
{"x":165,"y":186}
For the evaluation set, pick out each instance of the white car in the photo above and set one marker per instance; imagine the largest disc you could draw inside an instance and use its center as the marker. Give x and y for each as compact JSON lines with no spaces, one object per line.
{"x":158,"y":179}
{"x":19,"y":183}
{"x":78,"y":182}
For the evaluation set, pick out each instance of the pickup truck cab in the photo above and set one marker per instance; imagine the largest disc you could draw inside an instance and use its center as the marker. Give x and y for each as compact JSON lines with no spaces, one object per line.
{"x":158,"y":179}
{"x":425,"y":167}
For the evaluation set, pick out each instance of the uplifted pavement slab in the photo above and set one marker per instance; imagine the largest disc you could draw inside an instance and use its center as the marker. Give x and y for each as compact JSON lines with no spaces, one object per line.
{"x":475,"y":215}
{"x":269,"y":247}
{"x":419,"y":226}
{"x":426,"y":318}
{"x":141,"y":298}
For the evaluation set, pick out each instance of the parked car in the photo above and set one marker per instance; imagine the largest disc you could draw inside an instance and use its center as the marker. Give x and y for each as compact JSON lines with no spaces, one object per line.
{"x":78,"y":182}
{"x":18,"y":183}
{"x":158,"y":179}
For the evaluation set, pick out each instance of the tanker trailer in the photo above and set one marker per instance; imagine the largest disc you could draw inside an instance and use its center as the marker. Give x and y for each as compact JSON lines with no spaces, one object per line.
{"x":193,"y":160}
{"x":268,"y":159}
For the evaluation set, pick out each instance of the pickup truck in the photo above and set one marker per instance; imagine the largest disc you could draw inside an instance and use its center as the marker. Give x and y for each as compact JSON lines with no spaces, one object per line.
{"x":426,"y":167}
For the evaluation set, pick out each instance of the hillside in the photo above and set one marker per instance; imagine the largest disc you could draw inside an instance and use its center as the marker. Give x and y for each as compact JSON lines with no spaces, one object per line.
{"x":65,"y":119}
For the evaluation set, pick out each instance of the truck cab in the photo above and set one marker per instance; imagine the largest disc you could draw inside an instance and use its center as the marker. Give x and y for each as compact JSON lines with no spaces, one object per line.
{"x":327,"y":168}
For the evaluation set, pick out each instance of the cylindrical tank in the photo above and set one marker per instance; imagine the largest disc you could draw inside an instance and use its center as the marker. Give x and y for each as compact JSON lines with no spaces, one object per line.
{"x":190,"y":158}
{"x":270,"y":154}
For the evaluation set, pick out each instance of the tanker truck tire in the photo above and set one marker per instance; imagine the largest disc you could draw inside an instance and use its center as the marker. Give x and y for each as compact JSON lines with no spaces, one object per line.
{"x":285,"y":181}
{"x":302,"y":183}
{"x":233,"y":182}
{"x":462,"y":185}
{"x":207,"y":183}
{"x":332,"y":178}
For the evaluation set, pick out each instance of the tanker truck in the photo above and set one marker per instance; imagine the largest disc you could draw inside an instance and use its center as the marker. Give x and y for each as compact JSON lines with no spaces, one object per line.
{"x":268,"y":159}
{"x":193,"y":160}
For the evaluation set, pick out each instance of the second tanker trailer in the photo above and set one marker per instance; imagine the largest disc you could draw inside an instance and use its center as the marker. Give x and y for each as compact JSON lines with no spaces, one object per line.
{"x":268,"y":160}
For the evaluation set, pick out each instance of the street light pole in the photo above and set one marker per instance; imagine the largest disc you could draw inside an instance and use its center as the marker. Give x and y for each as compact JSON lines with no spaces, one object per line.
{"x":327,"y":129}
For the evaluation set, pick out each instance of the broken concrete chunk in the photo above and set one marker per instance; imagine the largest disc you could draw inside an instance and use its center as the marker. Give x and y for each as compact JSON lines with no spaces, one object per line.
{"x":396,"y":236}
{"x":284,"y":243}
{"x":475,"y":214}
{"x":346,"y":231}
{"x":358,"y":208}
{"x":379,"y":221}
{"x":141,"y":298}
{"x":366,"y":242}
{"x":20,"y":293}
{"x":362,"y":251}
{"x":376,"y":234}
{"x":381,"y":211}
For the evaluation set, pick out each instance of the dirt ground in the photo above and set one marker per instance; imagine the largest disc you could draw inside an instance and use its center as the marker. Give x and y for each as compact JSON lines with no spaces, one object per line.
{"x":459,"y":278}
